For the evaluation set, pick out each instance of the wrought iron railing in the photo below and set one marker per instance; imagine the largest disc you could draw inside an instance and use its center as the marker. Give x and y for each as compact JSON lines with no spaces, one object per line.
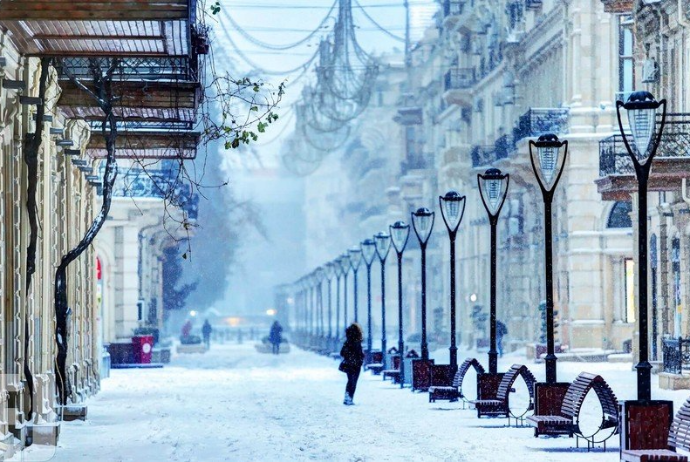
{"x":613,"y":157}
{"x":148,"y":125}
{"x":459,"y":78}
{"x":483,"y":156}
{"x":158,"y":184}
{"x":452,"y":7}
{"x":676,"y":355}
{"x":178,"y":68}
{"x":675,"y":142}
{"x":539,"y":121}
{"x":503,"y":147}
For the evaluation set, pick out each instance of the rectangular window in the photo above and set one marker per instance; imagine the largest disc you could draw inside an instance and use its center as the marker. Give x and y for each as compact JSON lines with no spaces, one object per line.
{"x":629,"y":290}
{"x":626,"y":63}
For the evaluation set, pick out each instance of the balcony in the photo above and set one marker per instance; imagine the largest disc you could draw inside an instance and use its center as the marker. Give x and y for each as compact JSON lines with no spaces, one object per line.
{"x":671,"y":163}
{"x":538,"y":121}
{"x":164,"y":184}
{"x":483,"y":156}
{"x":457,"y":86}
{"x":618,"y":6}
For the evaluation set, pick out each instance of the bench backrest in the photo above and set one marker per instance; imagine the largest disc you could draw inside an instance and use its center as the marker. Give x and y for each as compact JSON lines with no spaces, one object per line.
{"x":679,"y":436}
{"x":515,"y":371}
{"x":442,"y":375}
{"x":464,"y":368}
{"x":575,"y":396}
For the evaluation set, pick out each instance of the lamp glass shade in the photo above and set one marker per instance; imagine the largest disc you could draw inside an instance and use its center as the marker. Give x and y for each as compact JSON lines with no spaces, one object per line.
{"x":329,"y":270}
{"x":423,"y":222}
{"x":493,"y":186}
{"x":400,"y":231}
{"x":355,"y":257}
{"x":344,"y":262}
{"x":548,"y":160}
{"x":383,"y":244}
{"x":642,"y":123}
{"x":368,"y":250}
{"x":452,"y":208}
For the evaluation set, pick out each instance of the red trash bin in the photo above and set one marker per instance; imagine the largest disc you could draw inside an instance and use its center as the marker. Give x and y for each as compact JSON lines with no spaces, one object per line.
{"x":143,"y":348}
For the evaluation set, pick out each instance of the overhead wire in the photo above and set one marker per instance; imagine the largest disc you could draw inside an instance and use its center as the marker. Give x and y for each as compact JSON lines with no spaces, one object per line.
{"x":378,"y":26}
{"x":289,"y":46}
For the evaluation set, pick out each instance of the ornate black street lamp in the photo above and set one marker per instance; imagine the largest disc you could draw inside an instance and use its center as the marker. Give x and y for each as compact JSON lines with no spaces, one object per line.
{"x":368,"y":253}
{"x":344,"y":262}
{"x":641,"y":109}
{"x":452,"y":210}
{"x":547,"y":163}
{"x":400,"y":232}
{"x":383,"y":245}
{"x":423,"y":223}
{"x":493,"y":188}
{"x":355,"y":254}
{"x":329,"y":272}
{"x":338,"y":273}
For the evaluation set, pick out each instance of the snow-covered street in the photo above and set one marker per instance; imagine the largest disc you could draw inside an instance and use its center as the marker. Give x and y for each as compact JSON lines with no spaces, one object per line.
{"x":233,"y":404}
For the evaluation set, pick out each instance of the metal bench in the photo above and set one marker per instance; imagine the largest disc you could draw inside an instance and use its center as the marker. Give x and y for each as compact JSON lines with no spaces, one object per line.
{"x":567,"y":422}
{"x":678,"y":438}
{"x":500,"y":405}
{"x":394,"y":372}
{"x":454,"y":392}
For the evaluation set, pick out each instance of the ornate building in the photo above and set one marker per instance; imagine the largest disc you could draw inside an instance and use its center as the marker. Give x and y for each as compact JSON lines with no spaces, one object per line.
{"x":53,"y":66}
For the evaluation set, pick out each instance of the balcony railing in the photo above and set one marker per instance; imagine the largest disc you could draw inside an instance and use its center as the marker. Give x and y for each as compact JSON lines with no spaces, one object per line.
{"x":452,"y":7}
{"x":178,"y":68}
{"x":538,"y":121}
{"x":675,"y":142}
{"x":483,"y":156}
{"x":459,"y":78}
{"x":676,"y":355}
{"x":157,"y":184}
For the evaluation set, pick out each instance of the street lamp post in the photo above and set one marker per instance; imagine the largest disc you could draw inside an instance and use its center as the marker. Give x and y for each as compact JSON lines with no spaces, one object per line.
{"x":383,"y":245}
{"x":452,"y":210}
{"x":493,"y":188}
{"x":547,"y":163}
{"x":344,"y":262}
{"x":329,"y":272}
{"x":423,"y":223}
{"x":400,"y":232}
{"x":338,"y":273}
{"x":368,"y":253}
{"x":641,"y":109}
{"x":320,"y":275}
{"x":355,"y":254}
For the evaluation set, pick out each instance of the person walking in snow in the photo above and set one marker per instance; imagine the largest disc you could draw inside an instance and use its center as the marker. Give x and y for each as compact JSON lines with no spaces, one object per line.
{"x":353,"y":358}
{"x":276,"y":336}
{"x":501,"y":330}
{"x":206,"y":330}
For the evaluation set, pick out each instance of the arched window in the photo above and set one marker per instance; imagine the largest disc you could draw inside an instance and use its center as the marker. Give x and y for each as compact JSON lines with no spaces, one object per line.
{"x":620,"y":215}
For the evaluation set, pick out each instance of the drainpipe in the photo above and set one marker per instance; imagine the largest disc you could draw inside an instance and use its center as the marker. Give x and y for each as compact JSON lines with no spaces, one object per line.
{"x":684,"y":191}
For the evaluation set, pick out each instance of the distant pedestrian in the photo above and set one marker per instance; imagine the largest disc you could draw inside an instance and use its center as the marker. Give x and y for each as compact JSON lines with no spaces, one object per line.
{"x":353,"y":357}
{"x":206,"y":330}
{"x":501,"y":331}
{"x":276,"y":337}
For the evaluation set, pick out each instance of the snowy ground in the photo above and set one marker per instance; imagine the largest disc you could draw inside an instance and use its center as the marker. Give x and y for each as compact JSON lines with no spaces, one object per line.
{"x":233,"y":404}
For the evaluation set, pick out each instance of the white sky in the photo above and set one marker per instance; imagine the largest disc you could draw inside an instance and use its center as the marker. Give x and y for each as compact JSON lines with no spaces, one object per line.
{"x":281,"y":22}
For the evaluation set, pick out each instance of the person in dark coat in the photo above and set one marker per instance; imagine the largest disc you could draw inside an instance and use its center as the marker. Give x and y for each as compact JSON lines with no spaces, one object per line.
{"x":353,"y":358}
{"x":206,"y":330}
{"x":501,"y":331}
{"x":276,"y":336}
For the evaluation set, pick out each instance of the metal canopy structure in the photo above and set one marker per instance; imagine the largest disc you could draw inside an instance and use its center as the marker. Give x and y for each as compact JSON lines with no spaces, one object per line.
{"x":157,"y":84}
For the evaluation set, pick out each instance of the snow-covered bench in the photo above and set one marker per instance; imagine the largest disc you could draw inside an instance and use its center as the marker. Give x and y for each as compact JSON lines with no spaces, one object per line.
{"x":454,"y":392}
{"x":500,"y":405}
{"x":567,"y":421}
